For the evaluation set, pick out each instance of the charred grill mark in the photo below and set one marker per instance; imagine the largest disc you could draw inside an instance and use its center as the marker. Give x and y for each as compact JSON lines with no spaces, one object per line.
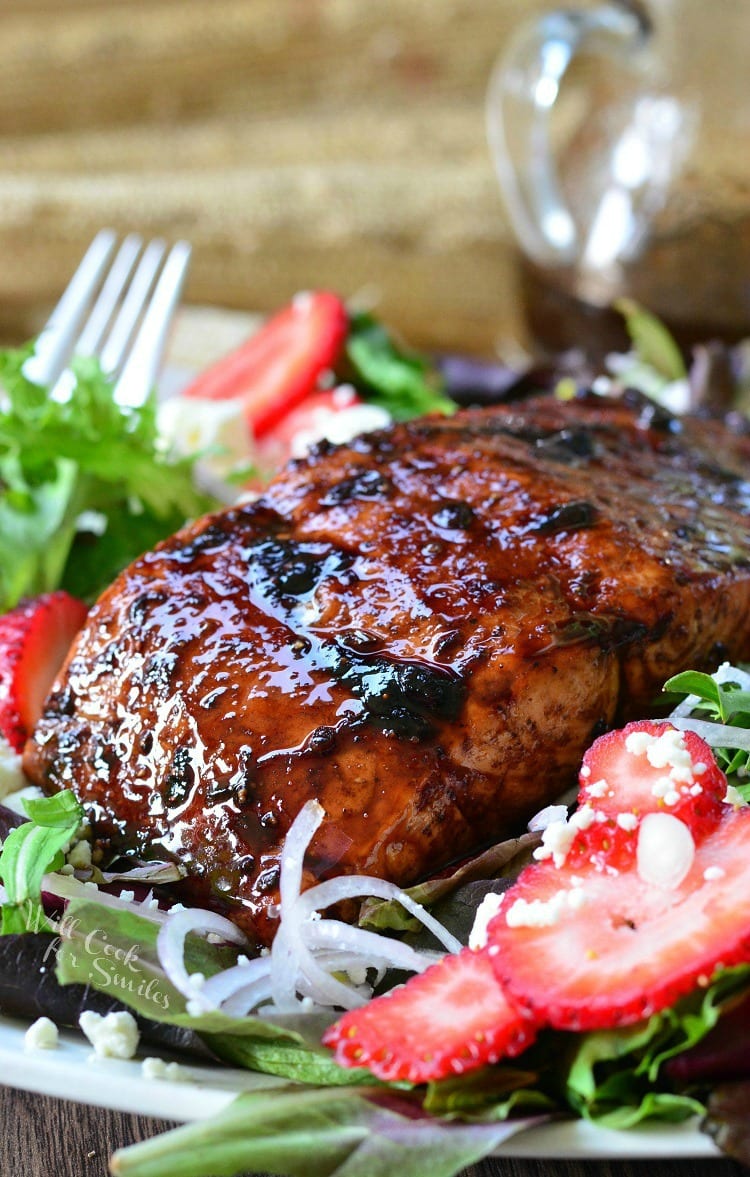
{"x":144,"y":603}
{"x":606,"y":633}
{"x":179,"y":780}
{"x":288,"y":569}
{"x":453,"y":516}
{"x":568,"y":517}
{"x":366,"y":484}
{"x":402,"y":697}
{"x":160,"y":672}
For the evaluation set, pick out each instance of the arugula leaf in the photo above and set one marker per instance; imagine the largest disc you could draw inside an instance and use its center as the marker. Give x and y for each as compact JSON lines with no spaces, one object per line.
{"x":723,"y":702}
{"x":28,"y":853}
{"x":303,"y":1133}
{"x":400,"y":381}
{"x":61,"y":461}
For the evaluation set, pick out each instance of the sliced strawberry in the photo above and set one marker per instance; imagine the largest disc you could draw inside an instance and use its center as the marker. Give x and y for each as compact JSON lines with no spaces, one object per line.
{"x":651,"y":767}
{"x":586,"y":949}
{"x":452,"y":1018}
{"x":606,"y":845}
{"x":282,"y":363}
{"x":34,"y":639}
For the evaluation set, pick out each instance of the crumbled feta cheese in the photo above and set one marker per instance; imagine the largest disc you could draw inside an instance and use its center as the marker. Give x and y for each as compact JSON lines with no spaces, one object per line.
{"x":11,"y":775}
{"x":627,"y":821}
{"x":338,"y":425}
{"x":357,"y":973}
{"x":734,"y":797}
{"x":665,"y":751}
{"x":585,"y":771}
{"x":79,"y":856}
{"x":713,"y":872}
{"x":559,"y":836}
{"x":540,"y":913}
{"x":216,"y":427}
{"x":598,"y":789}
{"x":114,"y":1035}
{"x":197,"y":980}
{"x":41,"y":1035}
{"x":157,"y":1068}
{"x":486,"y":912}
{"x":127,"y":896}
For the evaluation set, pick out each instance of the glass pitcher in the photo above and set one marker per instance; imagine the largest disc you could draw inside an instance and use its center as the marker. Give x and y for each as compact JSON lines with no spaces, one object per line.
{"x":632,"y":178}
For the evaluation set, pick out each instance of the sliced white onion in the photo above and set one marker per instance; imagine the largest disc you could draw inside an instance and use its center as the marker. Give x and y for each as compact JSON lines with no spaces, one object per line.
{"x":296,"y":842}
{"x":333,"y":933}
{"x":545,"y":817}
{"x":355,"y":886}
{"x":230,"y":981}
{"x":170,"y":943}
{"x":717,"y":735}
{"x":310,"y":956}
{"x":248,"y":997}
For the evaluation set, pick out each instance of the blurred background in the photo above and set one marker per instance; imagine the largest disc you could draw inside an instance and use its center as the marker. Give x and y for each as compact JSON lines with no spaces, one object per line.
{"x":295,"y":143}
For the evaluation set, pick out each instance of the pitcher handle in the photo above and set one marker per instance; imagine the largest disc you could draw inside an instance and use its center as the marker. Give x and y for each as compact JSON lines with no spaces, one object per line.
{"x":522,"y":93}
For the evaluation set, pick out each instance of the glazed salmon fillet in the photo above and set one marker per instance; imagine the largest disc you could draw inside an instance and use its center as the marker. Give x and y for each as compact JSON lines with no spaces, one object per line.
{"x":423,"y":629}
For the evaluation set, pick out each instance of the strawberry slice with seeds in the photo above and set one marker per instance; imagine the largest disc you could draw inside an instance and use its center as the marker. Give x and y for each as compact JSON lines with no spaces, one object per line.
{"x":34,"y":640}
{"x":651,"y":767}
{"x":282,"y":363}
{"x":452,"y":1018}
{"x":591,"y":949}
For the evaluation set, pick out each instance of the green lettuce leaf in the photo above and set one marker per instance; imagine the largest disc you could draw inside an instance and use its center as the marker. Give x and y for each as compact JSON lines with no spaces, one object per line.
{"x":28,"y":853}
{"x":303,"y":1133}
{"x":400,"y":381}
{"x":66,"y":465}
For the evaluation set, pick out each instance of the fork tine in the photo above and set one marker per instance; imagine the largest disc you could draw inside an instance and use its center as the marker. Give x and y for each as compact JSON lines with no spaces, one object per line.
{"x":139,"y":374}
{"x":114,"y":284}
{"x":115,"y":349}
{"x":56,"y":339}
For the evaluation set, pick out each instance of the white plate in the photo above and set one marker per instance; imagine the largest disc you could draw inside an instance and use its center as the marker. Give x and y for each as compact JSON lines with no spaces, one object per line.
{"x":72,"y":1071}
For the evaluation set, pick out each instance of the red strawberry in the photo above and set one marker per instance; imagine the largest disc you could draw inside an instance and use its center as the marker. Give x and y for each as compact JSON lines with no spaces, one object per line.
{"x":452,"y":1018}
{"x":282,"y":363}
{"x":34,"y":639}
{"x":651,"y":767}
{"x":604,"y":845}
{"x":602,"y":949}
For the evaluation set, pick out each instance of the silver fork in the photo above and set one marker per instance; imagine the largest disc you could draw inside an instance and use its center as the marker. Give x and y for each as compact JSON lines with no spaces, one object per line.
{"x":118,"y":312}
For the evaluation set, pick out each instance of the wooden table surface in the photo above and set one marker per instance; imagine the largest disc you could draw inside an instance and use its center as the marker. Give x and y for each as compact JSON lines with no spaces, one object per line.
{"x":44,"y":1137}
